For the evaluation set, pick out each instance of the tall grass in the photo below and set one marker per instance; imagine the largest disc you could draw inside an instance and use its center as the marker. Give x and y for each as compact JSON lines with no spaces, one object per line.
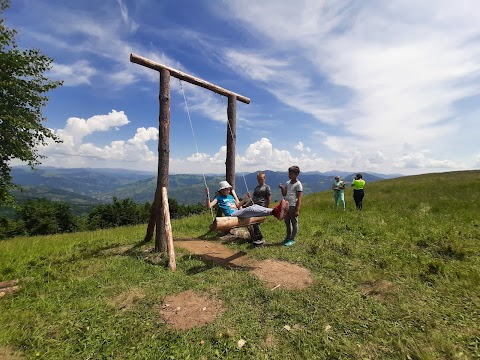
{"x":419,"y":236}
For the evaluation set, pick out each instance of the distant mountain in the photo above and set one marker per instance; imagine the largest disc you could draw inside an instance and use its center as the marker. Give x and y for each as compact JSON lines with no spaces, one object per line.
{"x":83,"y":181}
{"x":189,"y":189}
{"x":77,"y":186}
{"x":80,"y":204}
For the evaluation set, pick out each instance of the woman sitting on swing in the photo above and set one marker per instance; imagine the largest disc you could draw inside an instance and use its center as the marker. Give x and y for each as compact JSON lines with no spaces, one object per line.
{"x":230,"y":206}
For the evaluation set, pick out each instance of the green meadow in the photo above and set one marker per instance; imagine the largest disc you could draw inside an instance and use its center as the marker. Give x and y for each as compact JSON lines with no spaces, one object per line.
{"x":398,"y":280}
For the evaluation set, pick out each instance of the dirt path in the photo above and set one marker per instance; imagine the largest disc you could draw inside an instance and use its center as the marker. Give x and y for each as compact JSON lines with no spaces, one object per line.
{"x":275,"y":273}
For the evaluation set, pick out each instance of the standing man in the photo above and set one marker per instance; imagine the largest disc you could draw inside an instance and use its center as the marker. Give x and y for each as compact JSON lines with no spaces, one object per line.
{"x":338,"y":188}
{"x":262,"y":195}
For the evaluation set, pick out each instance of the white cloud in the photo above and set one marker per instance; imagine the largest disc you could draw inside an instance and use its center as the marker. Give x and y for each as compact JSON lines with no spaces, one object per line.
{"x":301,"y":147}
{"x":74,"y":151}
{"x":421,"y":160}
{"x":78,"y":73}
{"x":133,"y":26}
{"x":397,"y":69}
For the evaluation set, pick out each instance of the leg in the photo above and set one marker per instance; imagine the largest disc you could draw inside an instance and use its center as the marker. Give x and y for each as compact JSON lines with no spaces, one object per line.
{"x":288,"y":225}
{"x":294,"y":220}
{"x":252,"y":211}
{"x":355,"y":198}
{"x":342,"y":199}
{"x":360,"y":199}
{"x":335,"y":199}
{"x":257,"y":231}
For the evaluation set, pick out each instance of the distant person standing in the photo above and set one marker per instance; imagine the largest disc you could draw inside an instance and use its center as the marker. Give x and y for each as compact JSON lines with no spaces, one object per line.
{"x":338,"y":188}
{"x":262,"y":195}
{"x":358,"y":193}
{"x":292,"y":191}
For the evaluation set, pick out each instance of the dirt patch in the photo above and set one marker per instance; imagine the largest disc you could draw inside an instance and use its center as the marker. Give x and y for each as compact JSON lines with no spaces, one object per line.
{"x":380,"y":289}
{"x":125,"y":301}
{"x":283,"y":274}
{"x":276,"y":274}
{"x":189,"y":309}
{"x":8,"y":354}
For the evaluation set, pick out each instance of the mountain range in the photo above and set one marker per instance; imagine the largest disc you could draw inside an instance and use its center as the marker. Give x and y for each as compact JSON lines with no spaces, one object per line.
{"x":84,"y":188}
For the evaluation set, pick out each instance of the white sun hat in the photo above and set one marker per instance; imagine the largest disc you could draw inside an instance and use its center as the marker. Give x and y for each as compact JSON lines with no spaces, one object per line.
{"x":223,"y":185}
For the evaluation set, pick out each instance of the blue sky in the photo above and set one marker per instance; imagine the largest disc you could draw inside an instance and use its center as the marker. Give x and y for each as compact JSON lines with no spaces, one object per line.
{"x":382,"y":86}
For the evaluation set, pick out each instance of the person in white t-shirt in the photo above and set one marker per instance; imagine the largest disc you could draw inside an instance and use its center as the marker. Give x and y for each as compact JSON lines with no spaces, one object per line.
{"x":292,"y":191}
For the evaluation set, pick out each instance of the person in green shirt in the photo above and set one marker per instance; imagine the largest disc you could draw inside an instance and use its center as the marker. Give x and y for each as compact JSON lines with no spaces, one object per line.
{"x":358,"y":192}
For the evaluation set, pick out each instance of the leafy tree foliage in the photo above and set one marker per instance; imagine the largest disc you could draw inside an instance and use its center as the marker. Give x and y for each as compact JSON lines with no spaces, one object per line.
{"x":43,"y":217}
{"x":119,"y":213}
{"x":10,"y":227}
{"x":22,"y":86}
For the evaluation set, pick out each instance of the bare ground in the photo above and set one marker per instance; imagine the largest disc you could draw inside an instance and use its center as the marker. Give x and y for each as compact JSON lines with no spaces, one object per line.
{"x":190,"y":309}
{"x":275,"y":273}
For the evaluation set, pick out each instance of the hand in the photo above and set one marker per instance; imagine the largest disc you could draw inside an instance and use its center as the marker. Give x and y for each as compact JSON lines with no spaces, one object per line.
{"x":207,"y":192}
{"x":247,"y":195}
{"x":280,"y":186}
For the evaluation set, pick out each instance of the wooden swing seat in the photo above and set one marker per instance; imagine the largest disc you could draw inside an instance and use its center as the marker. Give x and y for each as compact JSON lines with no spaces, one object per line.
{"x":226,"y":223}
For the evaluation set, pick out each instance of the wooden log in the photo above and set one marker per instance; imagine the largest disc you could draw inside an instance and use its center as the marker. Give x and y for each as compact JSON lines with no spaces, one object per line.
{"x":167,"y":226}
{"x":140,"y":60}
{"x":226,"y":223}
{"x":163,"y":158}
{"x":231,"y":140}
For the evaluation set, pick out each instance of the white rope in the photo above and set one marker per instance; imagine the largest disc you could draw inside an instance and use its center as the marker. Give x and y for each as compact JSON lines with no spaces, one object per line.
{"x":235,"y":147}
{"x":195,"y":140}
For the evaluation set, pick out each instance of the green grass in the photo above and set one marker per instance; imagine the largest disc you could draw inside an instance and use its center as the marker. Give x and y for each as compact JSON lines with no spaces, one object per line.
{"x":421,"y":234}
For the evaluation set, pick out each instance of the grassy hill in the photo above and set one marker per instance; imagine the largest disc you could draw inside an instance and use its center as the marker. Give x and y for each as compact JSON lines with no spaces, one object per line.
{"x":418,"y":236}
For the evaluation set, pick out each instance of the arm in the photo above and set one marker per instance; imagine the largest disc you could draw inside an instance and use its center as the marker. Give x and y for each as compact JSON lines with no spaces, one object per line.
{"x":299,"y":203}
{"x":234,"y":194}
{"x":245,"y":200}
{"x":334,"y":187}
{"x":209,"y":203}
{"x":283,"y":189}
{"x":269,"y":200}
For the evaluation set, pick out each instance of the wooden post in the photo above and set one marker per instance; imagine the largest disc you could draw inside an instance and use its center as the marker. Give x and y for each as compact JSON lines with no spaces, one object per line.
{"x":231,"y":139}
{"x":163,"y":158}
{"x":168,"y":230}
{"x":151,"y":221}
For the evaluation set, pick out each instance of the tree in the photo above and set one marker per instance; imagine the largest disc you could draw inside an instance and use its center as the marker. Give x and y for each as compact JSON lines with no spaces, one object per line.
{"x":22,"y":86}
{"x":43,"y":217}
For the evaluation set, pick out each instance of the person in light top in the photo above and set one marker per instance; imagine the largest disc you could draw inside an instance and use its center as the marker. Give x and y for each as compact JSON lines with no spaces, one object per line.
{"x":292,"y":191}
{"x":338,"y":188}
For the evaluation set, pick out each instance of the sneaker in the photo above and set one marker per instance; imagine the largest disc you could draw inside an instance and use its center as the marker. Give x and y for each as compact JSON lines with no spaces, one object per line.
{"x":258,"y":242}
{"x":280,"y":211}
{"x":289,"y":242}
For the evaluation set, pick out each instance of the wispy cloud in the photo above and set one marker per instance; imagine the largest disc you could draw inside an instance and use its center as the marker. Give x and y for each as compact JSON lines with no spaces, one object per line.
{"x":398,"y":68}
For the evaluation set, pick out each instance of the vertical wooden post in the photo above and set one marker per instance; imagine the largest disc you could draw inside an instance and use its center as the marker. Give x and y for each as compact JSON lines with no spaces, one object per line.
{"x":168,"y":231}
{"x":163,"y":159}
{"x":231,"y":139}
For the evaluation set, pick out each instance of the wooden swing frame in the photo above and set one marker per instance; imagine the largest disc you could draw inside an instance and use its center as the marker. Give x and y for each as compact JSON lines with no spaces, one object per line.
{"x":159,"y":216}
